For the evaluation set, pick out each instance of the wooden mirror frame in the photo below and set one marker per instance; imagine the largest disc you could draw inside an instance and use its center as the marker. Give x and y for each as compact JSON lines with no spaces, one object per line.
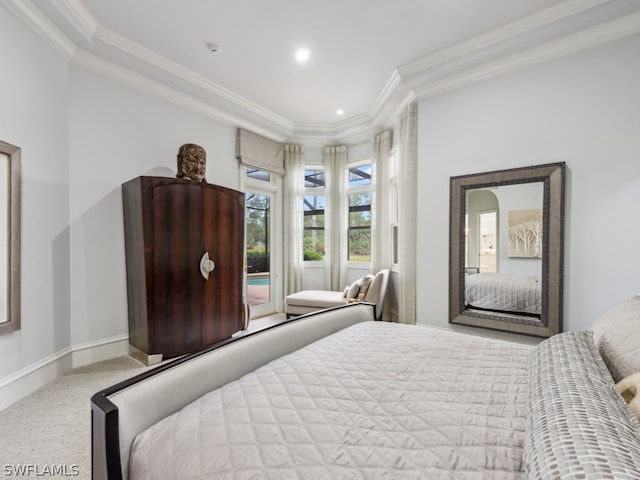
{"x":12,"y":249}
{"x":550,"y":322}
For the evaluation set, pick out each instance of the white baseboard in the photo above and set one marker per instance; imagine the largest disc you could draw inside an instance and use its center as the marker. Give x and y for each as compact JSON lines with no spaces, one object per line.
{"x":98,"y":351}
{"x":29,"y":379}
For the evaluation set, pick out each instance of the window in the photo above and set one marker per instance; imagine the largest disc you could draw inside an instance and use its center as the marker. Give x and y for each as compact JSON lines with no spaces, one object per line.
{"x":263,"y":240}
{"x":258,"y":248}
{"x":257,"y":211}
{"x":314,"y":214}
{"x":314,"y":179}
{"x":258,"y":174}
{"x":360,"y":197}
{"x":360,"y":227}
{"x":360,"y":175}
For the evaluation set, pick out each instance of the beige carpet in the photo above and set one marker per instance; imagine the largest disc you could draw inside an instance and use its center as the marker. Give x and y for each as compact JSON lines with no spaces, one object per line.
{"x":52,"y":426}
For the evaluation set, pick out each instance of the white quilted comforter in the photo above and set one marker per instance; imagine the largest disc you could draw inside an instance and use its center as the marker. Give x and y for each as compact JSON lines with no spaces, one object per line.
{"x":374,"y":401}
{"x":507,"y":293}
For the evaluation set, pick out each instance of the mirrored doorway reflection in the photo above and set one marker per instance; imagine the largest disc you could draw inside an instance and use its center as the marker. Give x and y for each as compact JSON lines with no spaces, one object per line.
{"x":258,"y":247}
{"x":487,"y":222}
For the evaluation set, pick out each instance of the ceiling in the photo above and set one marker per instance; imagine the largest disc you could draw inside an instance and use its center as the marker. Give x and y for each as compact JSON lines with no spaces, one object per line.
{"x":367,"y":57}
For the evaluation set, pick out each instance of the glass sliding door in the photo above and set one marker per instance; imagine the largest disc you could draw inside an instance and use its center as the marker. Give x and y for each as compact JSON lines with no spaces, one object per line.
{"x":259,"y":238}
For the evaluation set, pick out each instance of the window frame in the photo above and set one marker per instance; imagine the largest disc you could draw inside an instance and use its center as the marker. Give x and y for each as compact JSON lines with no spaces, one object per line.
{"x":273,"y":188}
{"x":322,"y":192}
{"x":356,"y":190}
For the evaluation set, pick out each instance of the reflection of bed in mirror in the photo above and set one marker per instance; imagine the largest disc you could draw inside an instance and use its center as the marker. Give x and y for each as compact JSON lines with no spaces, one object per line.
{"x":515,"y":294}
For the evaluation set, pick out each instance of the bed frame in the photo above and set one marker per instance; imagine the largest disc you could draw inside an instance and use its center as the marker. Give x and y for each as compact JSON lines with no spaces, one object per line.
{"x":120,"y":412}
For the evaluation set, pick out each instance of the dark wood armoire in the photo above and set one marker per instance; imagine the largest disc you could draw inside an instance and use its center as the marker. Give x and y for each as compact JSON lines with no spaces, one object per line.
{"x":184,"y":244}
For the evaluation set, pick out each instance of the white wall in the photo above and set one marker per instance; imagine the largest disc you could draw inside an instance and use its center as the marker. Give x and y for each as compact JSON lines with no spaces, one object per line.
{"x":117,"y":133}
{"x":82,"y":136}
{"x":583,"y":109}
{"x":33,"y":116}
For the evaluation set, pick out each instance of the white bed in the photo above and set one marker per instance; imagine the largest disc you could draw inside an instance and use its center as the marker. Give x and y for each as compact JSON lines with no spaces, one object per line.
{"x":504,"y":293}
{"x":336,"y":395}
{"x":375,"y":400}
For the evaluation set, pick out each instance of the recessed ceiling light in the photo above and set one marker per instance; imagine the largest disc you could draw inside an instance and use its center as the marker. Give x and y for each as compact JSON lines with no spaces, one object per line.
{"x":302,"y":55}
{"x":340,"y":112}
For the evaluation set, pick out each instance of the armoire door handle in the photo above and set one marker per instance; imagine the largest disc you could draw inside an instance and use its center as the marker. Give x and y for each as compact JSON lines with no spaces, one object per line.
{"x":246,"y":314}
{"x":206,"y":265}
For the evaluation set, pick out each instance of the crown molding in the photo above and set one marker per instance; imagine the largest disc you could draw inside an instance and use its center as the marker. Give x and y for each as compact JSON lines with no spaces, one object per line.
{"x":351,"y":131}
{"x":151,"y":87}
{"x":387,"y":91}
{"x":324,"y":131}
{"x":502,"y":34}
{"x":314,"y":141}
{"x":332,"y":129}
{"x":124,"y":45}
{"x":583,"y":40}
{"x":79,"y":16}
{"x":31,"y":16}
{"x":316,"y":134}
{"x":396,"y":93}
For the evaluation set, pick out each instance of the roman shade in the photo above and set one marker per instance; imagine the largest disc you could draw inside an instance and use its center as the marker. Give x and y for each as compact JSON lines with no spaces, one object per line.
{"x":256,"y":151}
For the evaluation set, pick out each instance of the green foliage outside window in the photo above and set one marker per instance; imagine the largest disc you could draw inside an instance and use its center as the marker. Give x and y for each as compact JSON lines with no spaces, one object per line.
{"x":310,"y":255}
{"x":257,"y":212}
{"x":314,"y":222}
{"x":359,"y":233}
{"x":360,"y":227}
{"x":257,"y":225}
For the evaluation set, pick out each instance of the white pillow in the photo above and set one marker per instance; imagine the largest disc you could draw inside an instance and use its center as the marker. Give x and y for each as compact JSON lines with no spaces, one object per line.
{"x":617,"y":336}
{"x":354,"y":289}
{"x":365,"y":283}
{"x":360,"y":286}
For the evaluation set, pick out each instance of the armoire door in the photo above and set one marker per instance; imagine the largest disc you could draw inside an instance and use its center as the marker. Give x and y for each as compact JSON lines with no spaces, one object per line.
{"x":178,"y":286}
{"x":223,"y":233}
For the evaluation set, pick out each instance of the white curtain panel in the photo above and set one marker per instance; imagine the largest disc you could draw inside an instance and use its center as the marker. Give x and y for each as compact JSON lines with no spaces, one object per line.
{"x":336,"y":220}
{"x":408,"y":158}
{"x":293,"y":221}
{"x":381,"y":256}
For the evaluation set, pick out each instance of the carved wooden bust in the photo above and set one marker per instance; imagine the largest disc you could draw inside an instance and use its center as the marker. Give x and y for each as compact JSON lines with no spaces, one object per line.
{"x":192,"y":162}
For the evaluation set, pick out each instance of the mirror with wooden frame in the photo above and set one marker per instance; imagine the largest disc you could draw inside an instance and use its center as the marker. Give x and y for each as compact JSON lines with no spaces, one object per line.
{"x":506,"y":249}
{"x":10,"y":206}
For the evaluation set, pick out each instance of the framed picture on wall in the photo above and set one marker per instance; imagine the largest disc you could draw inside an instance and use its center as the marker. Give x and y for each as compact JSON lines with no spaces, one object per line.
{"x":525,"y":233}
